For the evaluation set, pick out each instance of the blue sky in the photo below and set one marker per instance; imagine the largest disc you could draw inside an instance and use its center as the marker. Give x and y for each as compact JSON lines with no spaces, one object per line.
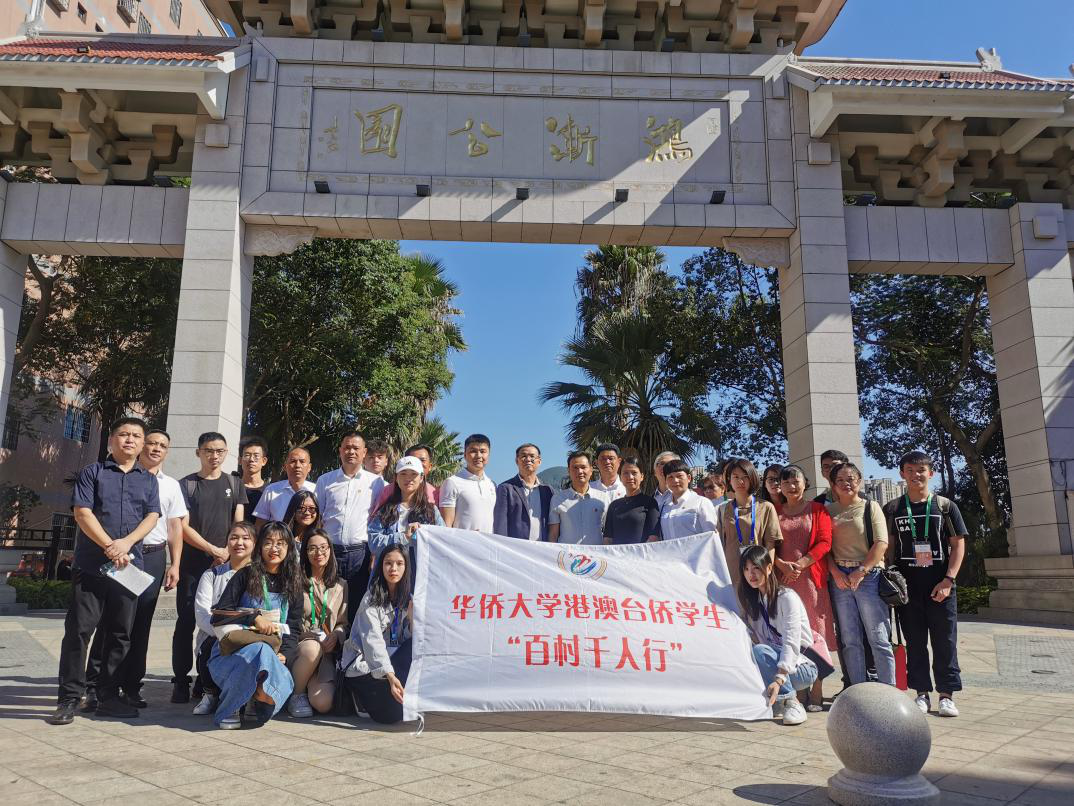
{"x":518,"y":299}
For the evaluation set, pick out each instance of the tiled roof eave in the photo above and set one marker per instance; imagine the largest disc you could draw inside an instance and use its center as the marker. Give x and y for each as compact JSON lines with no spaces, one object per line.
{"x":1033,"y":86}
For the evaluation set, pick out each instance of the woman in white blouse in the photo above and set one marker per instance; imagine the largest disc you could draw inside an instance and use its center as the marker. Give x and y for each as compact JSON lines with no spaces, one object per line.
{"x":779,"y":625}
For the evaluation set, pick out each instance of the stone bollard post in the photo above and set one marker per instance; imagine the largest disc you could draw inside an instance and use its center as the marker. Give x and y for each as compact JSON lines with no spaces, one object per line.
{"x":883,"y":741}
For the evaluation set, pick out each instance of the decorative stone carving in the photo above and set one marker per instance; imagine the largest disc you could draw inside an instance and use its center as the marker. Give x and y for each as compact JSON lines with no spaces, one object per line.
{"x":270,"y":241}
{"x":760,"y":251}
{"x":989,"y":59}
{"x":883,"y":741}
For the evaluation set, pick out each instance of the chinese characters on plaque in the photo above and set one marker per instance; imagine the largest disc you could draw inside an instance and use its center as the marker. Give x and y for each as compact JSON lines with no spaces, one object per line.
{"x":662,"y":141}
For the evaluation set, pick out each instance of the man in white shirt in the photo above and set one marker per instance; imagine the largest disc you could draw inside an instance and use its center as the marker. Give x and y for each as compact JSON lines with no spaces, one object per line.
{"x":346,"y":497}
{"x":577,"y":514}
{"x":607,"y":481}
{"x":166,"y":537}
{"x":685,"y":512}
{"x":468,"y":499}
{"x":274,"y":500}
{"x":661,"y":494}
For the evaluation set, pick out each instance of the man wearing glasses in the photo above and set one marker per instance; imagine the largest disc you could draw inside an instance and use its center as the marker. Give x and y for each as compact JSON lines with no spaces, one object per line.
{"x":522,"y":502}
{"x":215,"y":500}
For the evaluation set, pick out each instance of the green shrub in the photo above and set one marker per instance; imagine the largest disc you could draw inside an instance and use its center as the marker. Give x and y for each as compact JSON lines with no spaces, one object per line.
{"x":972,"y":597}
{"x":41,"y":594}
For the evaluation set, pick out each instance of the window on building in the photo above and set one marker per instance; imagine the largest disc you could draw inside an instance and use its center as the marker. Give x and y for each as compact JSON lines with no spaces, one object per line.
{"x":82,"y":12}
{"x":11,"y":433}
{"x":76,"y":424}
{"x":175,"y":11}
{"x":143,"y":25}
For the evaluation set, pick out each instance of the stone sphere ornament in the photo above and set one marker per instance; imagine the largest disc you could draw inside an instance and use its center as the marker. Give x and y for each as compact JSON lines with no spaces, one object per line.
{"x":883,"y":741}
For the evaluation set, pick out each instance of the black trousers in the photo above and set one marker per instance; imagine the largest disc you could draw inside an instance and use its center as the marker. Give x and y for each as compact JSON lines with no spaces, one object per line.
{"x":925,"y":622}
{"x":375,"y":696}
{"x":205,"y":677}
{"x":191,"y":567}
{"x":132,"y":670}
{"x":102,"y":604}
{"x":353,"y":566}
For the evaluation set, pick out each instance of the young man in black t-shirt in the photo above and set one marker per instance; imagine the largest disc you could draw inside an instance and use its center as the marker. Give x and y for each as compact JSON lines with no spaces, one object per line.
{"x":215,"y":501}
{"x":927,"y":539}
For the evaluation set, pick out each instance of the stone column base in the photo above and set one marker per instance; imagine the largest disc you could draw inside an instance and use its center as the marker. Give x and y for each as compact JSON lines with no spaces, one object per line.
{"x":1038,"y":589}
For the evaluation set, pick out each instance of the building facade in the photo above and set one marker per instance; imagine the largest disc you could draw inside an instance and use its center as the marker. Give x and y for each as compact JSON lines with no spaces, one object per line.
{"x":883,"y":490}
{"x":184,"y":17}
{"x":699,"y":123}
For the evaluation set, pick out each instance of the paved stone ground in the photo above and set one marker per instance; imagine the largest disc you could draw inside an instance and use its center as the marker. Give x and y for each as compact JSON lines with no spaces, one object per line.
{"x":1014,"y":743}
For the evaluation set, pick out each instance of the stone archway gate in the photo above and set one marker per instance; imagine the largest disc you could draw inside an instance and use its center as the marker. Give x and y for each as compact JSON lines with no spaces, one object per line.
{"x":755,"y":150}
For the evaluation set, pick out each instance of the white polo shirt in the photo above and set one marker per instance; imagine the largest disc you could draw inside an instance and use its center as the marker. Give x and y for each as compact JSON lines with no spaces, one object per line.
{"x":345,"y":503}
{"x":615,"y":491}
{"x":172,"y":505}
{"x":580,"y":517}
{"x":274,"y":501}
{"x":690,"y":515}
{"x":474,"y":498}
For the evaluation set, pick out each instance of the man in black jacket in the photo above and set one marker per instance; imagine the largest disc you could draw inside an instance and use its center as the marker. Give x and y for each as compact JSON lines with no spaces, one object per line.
{"x":522,"y":502}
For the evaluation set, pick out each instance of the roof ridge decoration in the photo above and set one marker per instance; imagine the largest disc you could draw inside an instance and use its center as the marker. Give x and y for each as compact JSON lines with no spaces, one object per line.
{"x":989,"y":60}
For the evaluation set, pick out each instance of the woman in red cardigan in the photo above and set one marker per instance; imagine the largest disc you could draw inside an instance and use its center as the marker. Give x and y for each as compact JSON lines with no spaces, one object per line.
{"x":800,"y":562}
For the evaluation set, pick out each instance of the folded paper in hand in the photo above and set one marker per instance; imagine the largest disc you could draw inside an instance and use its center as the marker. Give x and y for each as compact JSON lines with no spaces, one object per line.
{"x":129,"y":576}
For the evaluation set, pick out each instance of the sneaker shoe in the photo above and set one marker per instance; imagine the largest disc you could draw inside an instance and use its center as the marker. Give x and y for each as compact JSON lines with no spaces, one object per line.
{"x":299,"y":707}
{"x":233,"y":722}
{"x":181,"y":691}
{"x":923,"y":703}
{"x":117,"y":708}
{"x":794,"y":713}
{"x":207,"y":705}
{"x":64,"y":713}
{"x":813,"y":708}
{"x":947,"y":707}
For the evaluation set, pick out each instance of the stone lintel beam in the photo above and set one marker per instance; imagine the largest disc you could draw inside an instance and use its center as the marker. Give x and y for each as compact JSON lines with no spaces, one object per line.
{"x":270,"y":241}
{"x":760,"y":251}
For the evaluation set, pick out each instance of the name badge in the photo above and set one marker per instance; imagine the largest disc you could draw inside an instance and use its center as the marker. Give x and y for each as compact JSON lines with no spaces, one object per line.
{"x":922,"y":555}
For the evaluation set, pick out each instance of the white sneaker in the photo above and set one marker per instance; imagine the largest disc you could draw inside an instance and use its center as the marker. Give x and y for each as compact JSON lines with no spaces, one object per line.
{"x":923,"y":703}
{"x":232,"y":722}
{"x":794,"y":713}
{"x":299,"y":707}
{"x":206,"y":706}
{"x":947,"y":707}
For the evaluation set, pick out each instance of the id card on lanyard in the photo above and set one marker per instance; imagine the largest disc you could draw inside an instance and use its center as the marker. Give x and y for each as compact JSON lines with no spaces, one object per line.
{"x":753,"y":521}
{"x":922,"y":547}
{"x":393,"y":635}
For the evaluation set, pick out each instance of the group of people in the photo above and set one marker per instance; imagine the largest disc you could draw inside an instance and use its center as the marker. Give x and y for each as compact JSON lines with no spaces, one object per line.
{"x":300,"y":592}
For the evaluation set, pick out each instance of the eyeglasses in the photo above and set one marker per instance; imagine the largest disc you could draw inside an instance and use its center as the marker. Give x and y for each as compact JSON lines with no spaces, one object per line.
{"x":251,"y":457}
{"x":213,"y":451}
{"x":708,"y":487}
{"x":276,"y":544}
{"x":307,"y":510}
{"x":318,"y":549}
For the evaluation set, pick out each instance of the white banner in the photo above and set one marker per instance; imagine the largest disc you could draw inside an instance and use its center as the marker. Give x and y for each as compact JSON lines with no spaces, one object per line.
{"x":513,"y":625}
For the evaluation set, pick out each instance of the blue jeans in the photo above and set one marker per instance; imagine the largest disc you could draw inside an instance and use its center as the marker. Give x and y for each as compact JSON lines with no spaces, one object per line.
{"x":767,"y":659}
{"x":864,"y":606}
{"x":237,"y":676}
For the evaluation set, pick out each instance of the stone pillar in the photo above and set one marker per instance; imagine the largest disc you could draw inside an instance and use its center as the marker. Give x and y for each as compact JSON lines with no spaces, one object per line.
{"x":12,"y":280}
{"x":1032,"y":307}
{"x":818,"y":344}
{"x":208,"y":368}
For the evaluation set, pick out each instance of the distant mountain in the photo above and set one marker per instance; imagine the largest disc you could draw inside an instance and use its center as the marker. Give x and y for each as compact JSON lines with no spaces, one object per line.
{"x":554,"y":477}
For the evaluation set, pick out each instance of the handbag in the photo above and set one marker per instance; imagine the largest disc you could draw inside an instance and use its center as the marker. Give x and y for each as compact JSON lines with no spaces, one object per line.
{"x":342,"y":702}
{"x":236,"y":639}
{"x":891,"y":586}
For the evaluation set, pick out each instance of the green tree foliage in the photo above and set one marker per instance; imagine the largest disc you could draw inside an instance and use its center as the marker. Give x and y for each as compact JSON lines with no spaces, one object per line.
{"x":621,"y":281}
{"x":346,"y":332}
{"x":628,"y":397}
{"x":725,"y":348}
{"x":926,"y":377}
{"x":445,"y":446}
{"x":106,"y":327}
{"x":16,"y":502}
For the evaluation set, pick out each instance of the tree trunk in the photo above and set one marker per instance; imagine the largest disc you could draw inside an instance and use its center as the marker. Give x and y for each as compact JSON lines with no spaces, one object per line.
{"x":974,"y":462}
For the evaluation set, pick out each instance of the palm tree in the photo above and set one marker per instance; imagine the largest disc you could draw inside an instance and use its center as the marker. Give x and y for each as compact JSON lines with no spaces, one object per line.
{"x":616,"y":281}
{"x":445,"y":447}
{"x":628,"y":399}
{"x":429,"y":282}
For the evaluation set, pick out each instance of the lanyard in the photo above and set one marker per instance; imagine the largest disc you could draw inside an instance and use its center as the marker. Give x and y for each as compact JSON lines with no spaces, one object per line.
{"x":318,"y":620}
{"x":753,"y":520}
{"x":910,"y":517}
{"x":394,"y":636}
{"x":268,"y":603}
